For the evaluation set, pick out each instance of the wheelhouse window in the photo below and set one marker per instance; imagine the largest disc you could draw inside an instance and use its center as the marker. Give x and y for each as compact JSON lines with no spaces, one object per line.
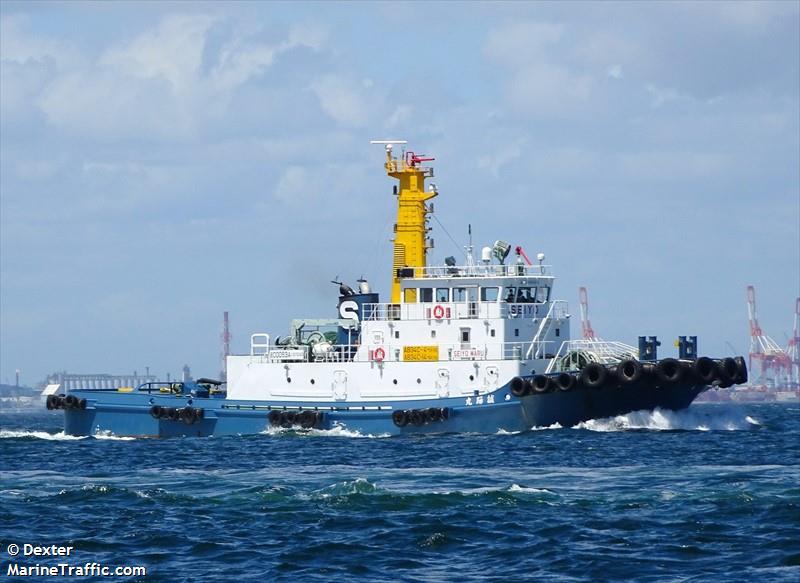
{"x":542,"y":294}
{"x":511,"y":294}
{"x":426,"y":294}
{"x":489,"y":294}
{"x":459,"y":294}
{"x":442,"y":294}
{"x":526,"y":295}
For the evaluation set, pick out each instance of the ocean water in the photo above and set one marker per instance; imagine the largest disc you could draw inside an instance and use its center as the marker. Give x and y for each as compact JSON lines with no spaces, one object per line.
{"x":708,"y":494}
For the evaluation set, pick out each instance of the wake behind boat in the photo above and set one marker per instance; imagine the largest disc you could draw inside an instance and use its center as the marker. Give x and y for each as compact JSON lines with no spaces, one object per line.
{"x":479,"y":347}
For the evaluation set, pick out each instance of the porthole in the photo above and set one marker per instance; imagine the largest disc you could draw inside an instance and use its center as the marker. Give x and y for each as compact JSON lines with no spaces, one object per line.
{"x":472,"y":377}
{"x":419,"y":381}
{"x":312,"y":381}
{"x":288,"y":379}
{"x":394,"y":381}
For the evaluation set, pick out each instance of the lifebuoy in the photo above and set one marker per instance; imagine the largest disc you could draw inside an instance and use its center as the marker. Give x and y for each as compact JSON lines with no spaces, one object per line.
{"x":379,"y":354}
{"x":438,"y":312}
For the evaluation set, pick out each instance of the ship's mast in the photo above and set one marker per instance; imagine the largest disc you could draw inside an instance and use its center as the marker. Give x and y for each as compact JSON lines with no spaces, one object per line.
{"x":411,"y":243}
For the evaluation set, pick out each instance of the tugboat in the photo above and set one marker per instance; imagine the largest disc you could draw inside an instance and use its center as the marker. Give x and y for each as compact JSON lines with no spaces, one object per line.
{"x":479,"y":347}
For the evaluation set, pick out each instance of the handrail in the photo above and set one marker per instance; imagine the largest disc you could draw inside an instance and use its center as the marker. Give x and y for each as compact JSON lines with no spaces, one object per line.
{"x":481,"y":270}
{"x":397,"y":352}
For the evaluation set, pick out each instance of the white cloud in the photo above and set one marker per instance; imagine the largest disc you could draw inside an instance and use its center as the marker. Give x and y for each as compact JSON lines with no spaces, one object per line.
{"x":614,"y":72}
{"x":517,"y":43}
{"x":341,"y":100}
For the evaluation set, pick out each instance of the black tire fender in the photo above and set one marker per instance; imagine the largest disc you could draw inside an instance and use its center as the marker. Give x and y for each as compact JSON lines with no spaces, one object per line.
{"x":518,"y":386}
{"x":565,"y":381}
{"x":541,"y":384}
{"x":594,"y":375}
{"x":705,"y":369}
{"x":400,"y":418}
{"x":629,"y":371}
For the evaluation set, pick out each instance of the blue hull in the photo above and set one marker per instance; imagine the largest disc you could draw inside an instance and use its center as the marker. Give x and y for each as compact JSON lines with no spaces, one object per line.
{"x":130,"y":414}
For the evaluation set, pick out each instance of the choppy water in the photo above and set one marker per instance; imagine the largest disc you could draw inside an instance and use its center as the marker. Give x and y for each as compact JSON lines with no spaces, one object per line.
{"x":709,"y":494}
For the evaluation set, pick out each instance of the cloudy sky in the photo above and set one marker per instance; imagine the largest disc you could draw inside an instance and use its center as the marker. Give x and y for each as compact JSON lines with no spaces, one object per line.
{"x":164,"y":162}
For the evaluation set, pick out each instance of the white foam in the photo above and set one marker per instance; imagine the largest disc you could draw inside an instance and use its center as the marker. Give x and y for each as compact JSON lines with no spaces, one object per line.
{"x":335,"y":431}
{"x":692,"y":419}
{"x":60,"y":436}
{"x":106,"y":434}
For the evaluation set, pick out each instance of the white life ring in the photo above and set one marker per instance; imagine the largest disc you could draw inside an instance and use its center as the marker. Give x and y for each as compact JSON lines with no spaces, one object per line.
{"x":379,"y":354}
{"x":438,"y":312}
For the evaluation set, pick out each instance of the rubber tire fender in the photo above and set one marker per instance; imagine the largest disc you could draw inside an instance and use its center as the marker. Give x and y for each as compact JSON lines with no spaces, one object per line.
{"x":670,"y":370}
{"x":155,"y":411}
{"x":444,"y":412}
{"x":433,"y":414}
{"x":594,"y":375}
{"x":173,"y":413}
{"x":416,"y":417}
{"x":705,"y":369}
{"x":187,"y":415}
{"x":274,"y":417}
{"x":565,"y":381}
{"x":51,"y":402}
{"x":71,"y":401}
{"x":727,"y":372}
{"x":400,"y":418}
{"x":542,"y":384}
{"x":306,"y":419}
{"x":741,"y":370}
{"x":629,"y":371}
{"x":82,"y":404}
{"x":518,"y":386}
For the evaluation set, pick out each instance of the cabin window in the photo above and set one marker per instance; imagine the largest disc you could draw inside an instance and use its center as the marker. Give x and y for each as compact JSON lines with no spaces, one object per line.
{"x":511,"y":294}
{"x":465,"y":335}
{"x":542,"y":294}
{"x":433,"y":333}
{"x":516,"y":331}
{"x":472,"y":294}
{"x":426,"y":294}
{"x":491,"y":332}
{"x":442,"y":294}
{"x":459,"y":294}
{"x":525,"y":295}
{"x":489,"y":294}
{"x":558,"y":331}
{"x":397,"y":333}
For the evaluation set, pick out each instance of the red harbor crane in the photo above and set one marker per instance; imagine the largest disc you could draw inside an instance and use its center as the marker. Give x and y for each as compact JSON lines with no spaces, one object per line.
{"x":774,"y":363}
{"x":586,"y":326}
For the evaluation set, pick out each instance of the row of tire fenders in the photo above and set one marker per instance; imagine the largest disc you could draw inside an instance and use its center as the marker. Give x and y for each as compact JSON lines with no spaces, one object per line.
{"x":188,"y":415}
{"x":62,"y":402}
{"x":723,"y":373}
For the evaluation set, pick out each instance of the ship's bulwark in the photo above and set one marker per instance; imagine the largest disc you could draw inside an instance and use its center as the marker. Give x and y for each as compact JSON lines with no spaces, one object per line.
{"x":132,"y":414}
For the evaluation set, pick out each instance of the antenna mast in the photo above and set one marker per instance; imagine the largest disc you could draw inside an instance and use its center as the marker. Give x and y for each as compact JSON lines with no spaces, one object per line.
{"x":225,"y":337}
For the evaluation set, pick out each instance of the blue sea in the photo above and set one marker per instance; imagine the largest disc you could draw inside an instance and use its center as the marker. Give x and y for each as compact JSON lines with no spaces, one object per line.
{"x":708,"y":494}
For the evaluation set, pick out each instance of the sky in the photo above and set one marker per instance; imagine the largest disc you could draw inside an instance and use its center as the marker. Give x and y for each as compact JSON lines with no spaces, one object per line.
{"x":163,"y":162}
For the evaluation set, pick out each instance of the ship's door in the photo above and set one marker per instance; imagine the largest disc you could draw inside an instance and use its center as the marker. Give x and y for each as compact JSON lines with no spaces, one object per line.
{"x":465,"y":335}
{"x":340,"y":385}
